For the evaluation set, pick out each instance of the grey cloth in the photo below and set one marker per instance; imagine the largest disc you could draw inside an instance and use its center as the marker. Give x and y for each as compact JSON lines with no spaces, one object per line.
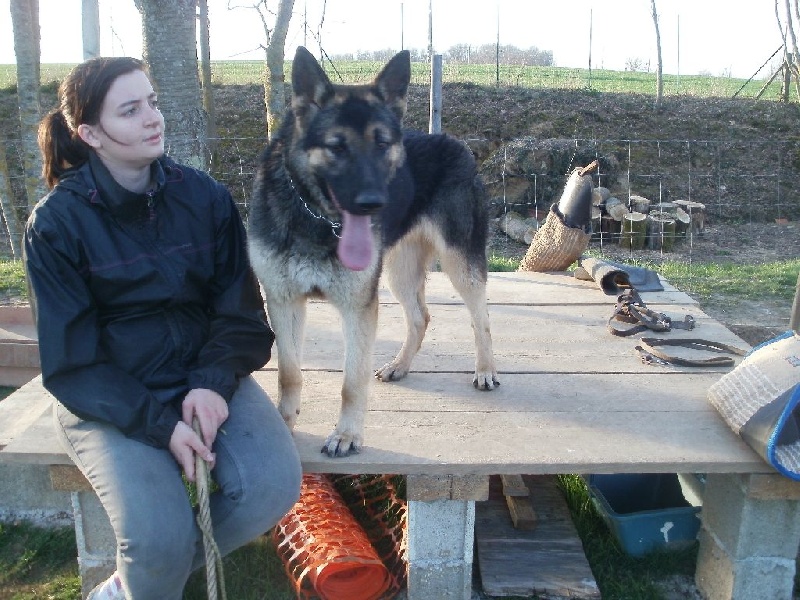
{"x":613,"y":277}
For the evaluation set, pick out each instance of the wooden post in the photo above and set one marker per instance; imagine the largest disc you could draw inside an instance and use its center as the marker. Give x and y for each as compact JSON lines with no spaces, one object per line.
{"x":435,"y":124}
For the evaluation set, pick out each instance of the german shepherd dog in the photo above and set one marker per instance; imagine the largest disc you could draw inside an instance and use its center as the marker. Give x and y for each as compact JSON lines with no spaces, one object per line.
{"x":340,"y":192}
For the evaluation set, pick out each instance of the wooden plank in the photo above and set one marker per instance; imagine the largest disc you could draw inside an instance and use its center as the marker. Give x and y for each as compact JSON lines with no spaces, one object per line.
{"x":519,"y":287}
{"x":523,"y":516}
{"x":518,"y":500}
{"x":548,"y":562}
{"x":514,"y":485}
{"x":525,"y":339}
{"x":532,"y":424}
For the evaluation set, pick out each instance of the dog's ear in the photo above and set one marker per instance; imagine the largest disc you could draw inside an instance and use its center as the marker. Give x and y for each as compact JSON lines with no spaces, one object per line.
{"x":393,"y":81}
{"x":310,"y":85}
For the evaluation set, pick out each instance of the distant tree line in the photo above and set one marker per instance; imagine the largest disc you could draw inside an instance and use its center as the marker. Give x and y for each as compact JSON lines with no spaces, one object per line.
{"x":484,"y":54}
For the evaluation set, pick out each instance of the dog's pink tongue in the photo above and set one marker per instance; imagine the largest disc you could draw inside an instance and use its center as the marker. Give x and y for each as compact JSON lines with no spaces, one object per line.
{"x":355,"y":245}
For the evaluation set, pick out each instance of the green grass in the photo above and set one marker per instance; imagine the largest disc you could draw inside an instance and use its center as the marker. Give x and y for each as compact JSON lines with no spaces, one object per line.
{"x":12,"y":279}
{"x":38,"y":563}
{"x":598,"y":80}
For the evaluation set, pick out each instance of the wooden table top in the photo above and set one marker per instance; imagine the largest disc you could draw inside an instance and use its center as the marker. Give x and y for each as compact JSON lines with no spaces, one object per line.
{"x":573,"y":397}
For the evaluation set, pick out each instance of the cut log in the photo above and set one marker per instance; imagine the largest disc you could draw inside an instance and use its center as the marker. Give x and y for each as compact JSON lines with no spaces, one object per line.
{"x":634,"y":231}
{"x":696,"y":212}
{"x":639,"y":204}
{"x":682,"y":222}
{"x":661,"y":231}
{"x":600,"y":195}
{"x":518,"y":227}
{"x":615,"y":208}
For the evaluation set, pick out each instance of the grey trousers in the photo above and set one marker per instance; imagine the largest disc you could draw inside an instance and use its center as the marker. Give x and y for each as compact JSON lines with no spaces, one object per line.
{"x":158,"y":541}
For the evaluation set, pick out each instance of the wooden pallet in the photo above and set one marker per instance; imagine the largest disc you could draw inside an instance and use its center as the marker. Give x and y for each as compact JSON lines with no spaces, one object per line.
{"x":546,"y":561}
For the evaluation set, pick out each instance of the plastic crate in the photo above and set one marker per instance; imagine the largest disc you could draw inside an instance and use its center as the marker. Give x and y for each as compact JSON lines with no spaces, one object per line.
{"x":645,"y":511}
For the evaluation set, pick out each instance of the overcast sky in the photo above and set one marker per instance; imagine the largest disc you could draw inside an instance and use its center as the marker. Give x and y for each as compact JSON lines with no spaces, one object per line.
{"x":711,"y":36}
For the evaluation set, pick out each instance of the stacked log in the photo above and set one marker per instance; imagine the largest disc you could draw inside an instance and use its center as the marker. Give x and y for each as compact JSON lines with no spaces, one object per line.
{"x":661,"y":231}
{"x":697,"y":214}
{"x":639,"y":204}
{"x":634,"y":231}
{"x":518,"y":227}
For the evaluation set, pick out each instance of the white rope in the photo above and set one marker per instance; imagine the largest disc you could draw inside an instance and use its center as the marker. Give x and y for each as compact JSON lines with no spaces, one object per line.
{"x":215,"y":577}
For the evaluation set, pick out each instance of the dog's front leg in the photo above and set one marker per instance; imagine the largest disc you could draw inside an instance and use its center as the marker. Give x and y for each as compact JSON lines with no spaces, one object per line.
{"x":287,"y":319}
{"x":359,"y":327}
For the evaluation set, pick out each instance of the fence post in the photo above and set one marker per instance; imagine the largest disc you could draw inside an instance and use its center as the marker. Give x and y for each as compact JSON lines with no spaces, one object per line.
{"x":435,"y":123}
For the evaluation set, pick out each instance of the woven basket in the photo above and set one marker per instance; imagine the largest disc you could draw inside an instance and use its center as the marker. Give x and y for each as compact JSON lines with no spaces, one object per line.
{"x":555,"y":246}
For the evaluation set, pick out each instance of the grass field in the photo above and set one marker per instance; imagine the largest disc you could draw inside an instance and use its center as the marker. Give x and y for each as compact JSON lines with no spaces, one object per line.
{"x":598,"y":80}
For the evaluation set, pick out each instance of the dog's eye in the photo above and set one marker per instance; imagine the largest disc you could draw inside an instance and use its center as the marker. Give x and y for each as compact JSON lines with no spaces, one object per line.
{"x":337,"y":147}
{"x":381,"y":144}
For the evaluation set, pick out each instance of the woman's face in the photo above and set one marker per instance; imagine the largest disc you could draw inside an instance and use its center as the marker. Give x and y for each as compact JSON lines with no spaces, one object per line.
{"x":130,"y":131}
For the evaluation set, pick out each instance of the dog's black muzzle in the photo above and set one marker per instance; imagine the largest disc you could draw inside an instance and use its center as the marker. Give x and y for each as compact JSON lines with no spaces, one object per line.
{"x":368,"y":203}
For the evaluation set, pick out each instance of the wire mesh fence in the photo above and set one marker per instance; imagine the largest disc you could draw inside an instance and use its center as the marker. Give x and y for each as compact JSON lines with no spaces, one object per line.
{"x":736,"y":182}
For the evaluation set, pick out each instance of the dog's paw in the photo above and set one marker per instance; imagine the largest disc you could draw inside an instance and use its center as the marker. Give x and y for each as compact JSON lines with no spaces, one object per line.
{"x":341,"y":444}
{"x":391,"y":372}
{"x":485,"y":381}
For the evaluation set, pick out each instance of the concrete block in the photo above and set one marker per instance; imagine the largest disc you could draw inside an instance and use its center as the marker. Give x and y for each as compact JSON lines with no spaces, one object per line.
{"x":440,"y":549}
{"x":26,"y":494}
{"x":772,"y":487}
{"x":440,"y":582}
{"x":721,"y":577}
{"x":97,"y":545}
{"x":746,"y":526}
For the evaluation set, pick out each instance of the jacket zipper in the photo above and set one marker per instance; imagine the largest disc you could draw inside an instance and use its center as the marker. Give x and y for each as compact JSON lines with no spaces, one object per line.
{"x":151,"y":200}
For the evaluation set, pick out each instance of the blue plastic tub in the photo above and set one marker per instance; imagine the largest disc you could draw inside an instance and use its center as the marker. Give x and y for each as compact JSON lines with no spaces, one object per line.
{"x":645,"y":511}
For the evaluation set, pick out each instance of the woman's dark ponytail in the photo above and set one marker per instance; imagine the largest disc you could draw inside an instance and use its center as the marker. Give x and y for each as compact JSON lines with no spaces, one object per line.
{"x":61,"y":148}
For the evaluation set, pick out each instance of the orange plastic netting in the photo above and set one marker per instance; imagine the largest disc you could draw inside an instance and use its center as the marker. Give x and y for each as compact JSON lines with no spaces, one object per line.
{"x":328,"y":554}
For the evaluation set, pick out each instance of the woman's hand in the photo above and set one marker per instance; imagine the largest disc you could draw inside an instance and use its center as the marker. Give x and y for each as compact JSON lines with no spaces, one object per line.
{"x":211,"y":411}
{"x":184,"y":445}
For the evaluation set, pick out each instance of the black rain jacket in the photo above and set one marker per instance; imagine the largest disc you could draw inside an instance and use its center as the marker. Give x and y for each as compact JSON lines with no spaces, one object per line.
{"x":140,"y":298}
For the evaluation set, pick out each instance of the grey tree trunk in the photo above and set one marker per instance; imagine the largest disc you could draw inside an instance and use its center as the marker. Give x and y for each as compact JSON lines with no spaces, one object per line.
{"x":25,"y":22}
{"x":90,"y":28}
{"x":274,"y":82}
{"x":205,"y":78}
{"x":659,"y":72}
{"x":169,"y":31}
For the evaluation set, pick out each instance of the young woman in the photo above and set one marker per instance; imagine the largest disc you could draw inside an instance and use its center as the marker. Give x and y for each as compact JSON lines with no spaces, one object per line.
{"x":148,"y":317}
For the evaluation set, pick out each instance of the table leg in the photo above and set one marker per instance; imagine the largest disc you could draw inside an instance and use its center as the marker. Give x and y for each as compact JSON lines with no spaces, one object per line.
{"x":95,"y":540}
{"x":749,"y":537}
{"x":441,"y":533}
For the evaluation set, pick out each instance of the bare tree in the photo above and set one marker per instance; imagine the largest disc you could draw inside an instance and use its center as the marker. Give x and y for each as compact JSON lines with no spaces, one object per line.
{"x":169,"y":29}
{"x":659,"y":64}
{"x":205,"y":77}
{"x":90,"y":28}
{"x":791,"y":57}
{"x":276,"y":26}
{"x":27,"y":37}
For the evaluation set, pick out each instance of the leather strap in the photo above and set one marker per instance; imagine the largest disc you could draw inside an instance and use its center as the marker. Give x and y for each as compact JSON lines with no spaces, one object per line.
{"x":650,"y":355}
{"x":631,"y":309}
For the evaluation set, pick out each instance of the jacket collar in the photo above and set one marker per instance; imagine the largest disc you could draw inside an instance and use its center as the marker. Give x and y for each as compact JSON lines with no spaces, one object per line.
{"x":119,"y":200}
